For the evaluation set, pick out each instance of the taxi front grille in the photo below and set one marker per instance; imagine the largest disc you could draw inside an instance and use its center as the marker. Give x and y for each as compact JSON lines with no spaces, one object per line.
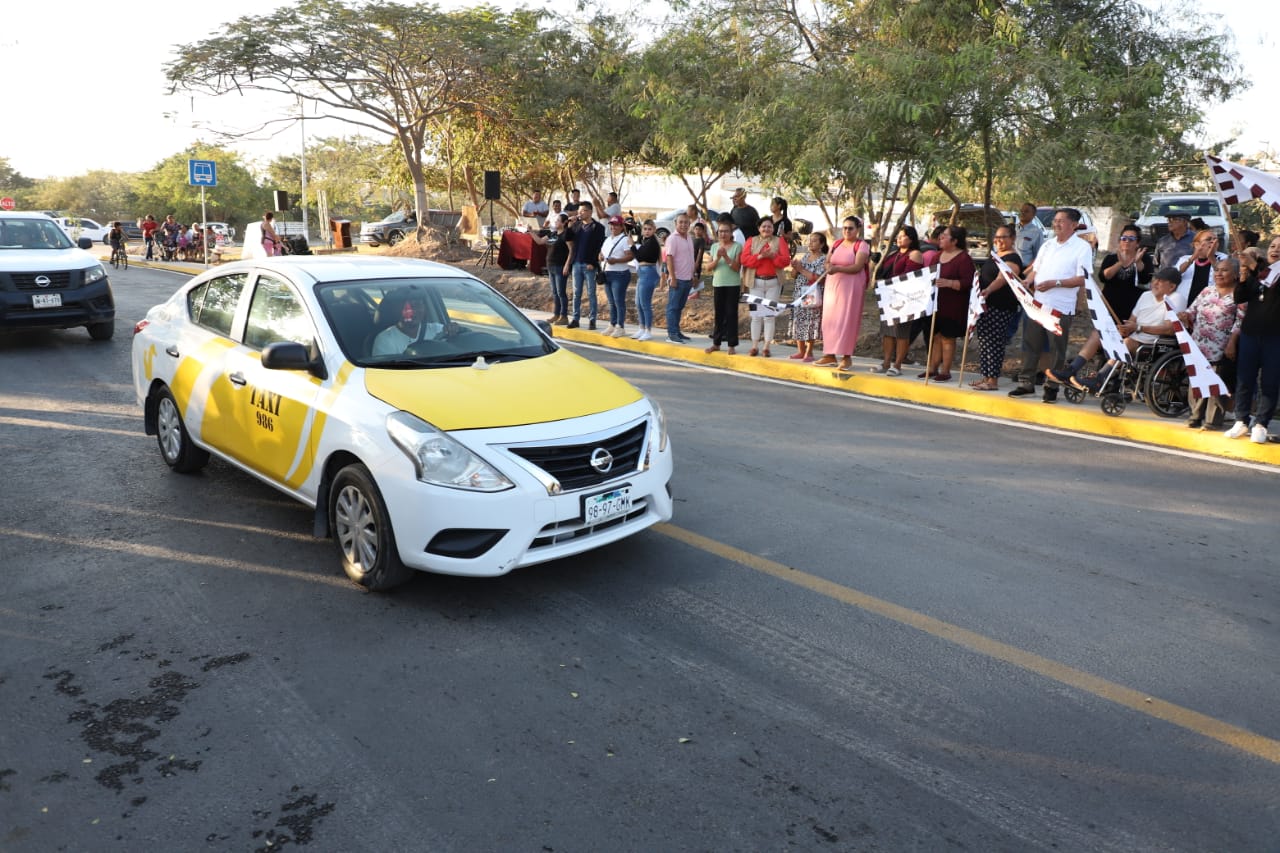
{"x":27,"y":280}
{"x":566,"y":531}
{"x":570,"y":464}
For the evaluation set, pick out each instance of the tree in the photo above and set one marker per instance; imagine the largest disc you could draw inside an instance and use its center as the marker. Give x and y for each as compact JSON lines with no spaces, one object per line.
{"x":348,"y":171}
{"x":393,"y":69}
{"x":236,"y":199}
{"x":101,"y":194}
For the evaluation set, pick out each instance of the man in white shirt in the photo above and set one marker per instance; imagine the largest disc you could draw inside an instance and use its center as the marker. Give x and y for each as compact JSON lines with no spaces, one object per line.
{"x":1055,"y":278}
{"x":410,"y":328}
{"x":536,"y":209}
{"x":612,"y":207}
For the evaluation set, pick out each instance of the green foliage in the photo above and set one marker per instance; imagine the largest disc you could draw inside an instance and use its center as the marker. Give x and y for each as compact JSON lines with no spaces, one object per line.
{"x":99,"y":194}
{"x":236,"y":199}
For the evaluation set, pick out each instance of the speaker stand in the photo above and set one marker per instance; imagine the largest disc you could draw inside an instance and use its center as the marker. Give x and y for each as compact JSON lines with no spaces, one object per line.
{"x":490,"y":258}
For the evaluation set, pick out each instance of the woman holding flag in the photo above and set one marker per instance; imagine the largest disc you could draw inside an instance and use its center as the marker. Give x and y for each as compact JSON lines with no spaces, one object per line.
{"x":955,"y":277}
{"x":1001,"y":305}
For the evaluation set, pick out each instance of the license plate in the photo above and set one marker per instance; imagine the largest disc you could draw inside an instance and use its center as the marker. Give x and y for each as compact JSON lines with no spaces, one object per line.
{"x":598,"y":508}
{"x":46,"y":300}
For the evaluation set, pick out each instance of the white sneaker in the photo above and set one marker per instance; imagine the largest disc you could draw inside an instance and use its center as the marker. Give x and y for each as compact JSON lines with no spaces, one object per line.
{"x":644,"y":335}
{"x":619,"y":332}
{"x":1240,"y":430}
{"x":608,"y":333}
{"x":1259,"y":435}
{"x":635,"y":336}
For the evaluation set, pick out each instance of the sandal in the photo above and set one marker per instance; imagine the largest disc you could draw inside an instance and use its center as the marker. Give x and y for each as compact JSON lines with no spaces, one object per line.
{"x":846,"y":365}
{"x":754,"y":351}
{"x":893,"y":371}
{"x":879,"y":368}
{"x":766,"y":352}
{"x":825,"y":361}
{"x":712,"y":348}
{"x":941,"y":377}
{"x":986,"y":385}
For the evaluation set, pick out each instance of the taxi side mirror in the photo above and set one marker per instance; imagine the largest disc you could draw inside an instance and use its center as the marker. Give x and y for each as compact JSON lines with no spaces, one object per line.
{"x":288,"y":355}
{"x":544,"y":326}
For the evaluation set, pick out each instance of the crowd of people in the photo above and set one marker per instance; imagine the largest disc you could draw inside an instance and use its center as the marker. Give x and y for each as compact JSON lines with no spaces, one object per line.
{"x":1221,"y":300}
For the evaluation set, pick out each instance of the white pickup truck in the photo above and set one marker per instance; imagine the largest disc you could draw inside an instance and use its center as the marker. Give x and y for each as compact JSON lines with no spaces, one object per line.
{"x":1154,"y":218}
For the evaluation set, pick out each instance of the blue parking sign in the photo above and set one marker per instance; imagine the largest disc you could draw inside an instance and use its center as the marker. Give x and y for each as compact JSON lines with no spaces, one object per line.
{"x":202,"y":173}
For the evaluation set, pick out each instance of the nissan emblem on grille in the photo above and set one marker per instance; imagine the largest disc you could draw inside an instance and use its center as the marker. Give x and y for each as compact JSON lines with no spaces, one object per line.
{"x":43,"y":281}
{"x":601,"y":460}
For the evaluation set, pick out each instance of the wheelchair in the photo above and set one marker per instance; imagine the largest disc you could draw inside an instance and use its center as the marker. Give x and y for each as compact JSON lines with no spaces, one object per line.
{"x":1157,"y":376}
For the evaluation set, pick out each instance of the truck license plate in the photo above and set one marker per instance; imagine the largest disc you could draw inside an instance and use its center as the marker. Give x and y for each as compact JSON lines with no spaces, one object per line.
{"x":46,"y":300}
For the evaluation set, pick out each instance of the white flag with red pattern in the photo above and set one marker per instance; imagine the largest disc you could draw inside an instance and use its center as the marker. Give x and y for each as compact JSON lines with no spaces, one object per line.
{"x":1204,"y":380}
{"x":1112,"y":341}
{"x":1047,"y":317}
{"x":977,"y":303}
{"x":1239,"y":184}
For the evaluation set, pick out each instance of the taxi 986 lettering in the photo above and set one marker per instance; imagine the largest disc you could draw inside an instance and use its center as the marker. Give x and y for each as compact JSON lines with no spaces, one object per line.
{"x":266,"y":405}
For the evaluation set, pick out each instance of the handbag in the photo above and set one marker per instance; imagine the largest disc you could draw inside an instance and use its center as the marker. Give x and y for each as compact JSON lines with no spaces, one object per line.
{"x":600,"y":279}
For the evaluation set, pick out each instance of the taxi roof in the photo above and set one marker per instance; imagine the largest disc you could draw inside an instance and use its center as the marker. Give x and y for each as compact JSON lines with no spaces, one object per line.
{"x":322,"y":268}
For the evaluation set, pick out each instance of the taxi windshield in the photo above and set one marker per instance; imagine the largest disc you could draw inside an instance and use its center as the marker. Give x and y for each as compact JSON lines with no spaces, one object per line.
{"x":32,"y":233}
{"x":427,"y":322}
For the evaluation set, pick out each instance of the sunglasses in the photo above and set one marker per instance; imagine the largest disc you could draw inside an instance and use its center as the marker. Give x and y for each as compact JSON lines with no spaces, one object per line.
{"x":1129,"y":239}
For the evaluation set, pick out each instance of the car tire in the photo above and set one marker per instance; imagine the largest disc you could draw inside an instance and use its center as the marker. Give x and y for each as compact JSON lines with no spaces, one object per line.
{"x":362,"y":531}
{"x":176,"y":448}
{"x":102,"y":331}
{"x":394,"y":237}
{"x":662,"y":235}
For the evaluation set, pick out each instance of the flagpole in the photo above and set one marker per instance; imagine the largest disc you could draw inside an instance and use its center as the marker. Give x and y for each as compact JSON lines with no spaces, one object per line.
{"x":928,"y":356}
{"x":1233,"y":234}
{"x":968,"y":333}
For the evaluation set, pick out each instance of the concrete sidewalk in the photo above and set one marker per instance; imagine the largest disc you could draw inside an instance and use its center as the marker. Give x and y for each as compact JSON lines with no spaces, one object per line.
{"x":1137,"y":423}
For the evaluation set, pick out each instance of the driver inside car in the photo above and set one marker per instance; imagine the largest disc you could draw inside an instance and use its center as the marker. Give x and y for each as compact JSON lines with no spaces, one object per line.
{"x":411,"y":328}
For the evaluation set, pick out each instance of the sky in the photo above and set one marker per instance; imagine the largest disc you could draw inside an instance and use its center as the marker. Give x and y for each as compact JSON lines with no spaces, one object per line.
{"x":104,"y":105}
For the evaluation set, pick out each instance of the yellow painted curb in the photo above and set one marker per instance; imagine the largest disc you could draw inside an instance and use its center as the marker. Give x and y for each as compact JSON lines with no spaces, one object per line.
{"x":1086,"y":417}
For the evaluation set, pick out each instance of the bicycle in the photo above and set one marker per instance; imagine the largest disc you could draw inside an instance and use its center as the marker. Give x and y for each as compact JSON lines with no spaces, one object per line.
{"x":120,"y":256}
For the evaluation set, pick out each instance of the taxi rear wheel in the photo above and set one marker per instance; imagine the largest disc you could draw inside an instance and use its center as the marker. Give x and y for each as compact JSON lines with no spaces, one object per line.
{"x":171,"y":433}
{"x":362,"y":530}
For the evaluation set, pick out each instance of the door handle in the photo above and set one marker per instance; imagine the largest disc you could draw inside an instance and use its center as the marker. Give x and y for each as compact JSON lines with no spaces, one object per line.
{"x":171,"y":350}
{"x":237,"y":378}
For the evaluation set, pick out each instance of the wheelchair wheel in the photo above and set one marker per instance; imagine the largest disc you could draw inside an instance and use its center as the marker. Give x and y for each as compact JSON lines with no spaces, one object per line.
{"x":1167,"y":386}
{"x":1073,"y":394}
{"x":1113,"y":404}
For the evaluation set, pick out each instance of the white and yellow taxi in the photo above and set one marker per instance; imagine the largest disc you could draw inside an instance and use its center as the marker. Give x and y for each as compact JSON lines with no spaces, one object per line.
{"x":430,"y":424}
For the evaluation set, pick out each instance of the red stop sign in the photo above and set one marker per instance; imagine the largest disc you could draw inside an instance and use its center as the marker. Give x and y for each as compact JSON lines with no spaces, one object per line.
{"x":6,"y":203}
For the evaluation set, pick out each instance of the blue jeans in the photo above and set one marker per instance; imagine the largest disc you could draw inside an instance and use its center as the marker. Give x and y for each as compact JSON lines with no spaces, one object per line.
{"x":677,"y":296}
{"x":615,"y":285}
{"x":559,"y":291}
{"x":584,"y":274}
{"x":1257,"y":352}
{"x":646,"y":283}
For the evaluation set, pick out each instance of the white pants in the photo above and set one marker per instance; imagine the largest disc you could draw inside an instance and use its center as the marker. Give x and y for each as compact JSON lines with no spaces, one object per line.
{"x":769,"y":288}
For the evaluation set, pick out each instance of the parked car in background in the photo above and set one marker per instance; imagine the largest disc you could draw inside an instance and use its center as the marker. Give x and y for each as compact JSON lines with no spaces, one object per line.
{"x":130,"y":229}
{"x":1045,"y":214}
{"x":1154,"y":216}
{"x":225,"y":232}
{"x":49,"y":282}
{"x":77,"y":227}
{"x":977,"y":221}
{"x":665,"y":223}
{"x":389,"y":231}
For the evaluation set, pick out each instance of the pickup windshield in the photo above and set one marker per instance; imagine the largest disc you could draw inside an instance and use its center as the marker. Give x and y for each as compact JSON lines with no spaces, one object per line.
{"x":32,"y":233}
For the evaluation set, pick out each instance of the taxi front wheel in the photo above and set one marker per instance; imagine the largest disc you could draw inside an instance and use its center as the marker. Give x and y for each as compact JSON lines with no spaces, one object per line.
{"x":171,"y":433}
{"x":362,"y":530}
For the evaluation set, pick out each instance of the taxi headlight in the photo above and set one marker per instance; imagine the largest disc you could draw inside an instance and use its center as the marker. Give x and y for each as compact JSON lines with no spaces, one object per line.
{"x":439,"y":459}
{"x":94,"y":273}
{"x":661,"y":419}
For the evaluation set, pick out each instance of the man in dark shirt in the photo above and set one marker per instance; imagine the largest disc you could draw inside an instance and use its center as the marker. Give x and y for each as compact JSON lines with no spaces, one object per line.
{"x":1177,"y":244}
{"x":575,"y":199}
{"x":585,"y":242}
{"x":745,"y":217}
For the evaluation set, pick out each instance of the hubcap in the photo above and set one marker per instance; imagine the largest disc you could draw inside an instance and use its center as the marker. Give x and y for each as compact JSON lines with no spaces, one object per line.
{"x":356,"y":529}
{"x":169,"y":429}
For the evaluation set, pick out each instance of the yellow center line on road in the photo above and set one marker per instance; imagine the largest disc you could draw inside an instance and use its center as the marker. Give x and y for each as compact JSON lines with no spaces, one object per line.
{"x":1202,"y":724}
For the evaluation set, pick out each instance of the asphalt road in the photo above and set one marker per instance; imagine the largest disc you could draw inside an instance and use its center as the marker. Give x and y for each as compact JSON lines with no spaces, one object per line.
{"x":869,"y":627}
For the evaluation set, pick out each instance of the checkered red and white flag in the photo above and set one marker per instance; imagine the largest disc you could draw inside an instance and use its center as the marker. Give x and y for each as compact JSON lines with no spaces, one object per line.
{"x":1204,"y":381}
{"x":977,"y":303}
{"x":1047,"y":317}
{"x":1112,"y":341}
{"x":1239,"y":184}
{"x":909,"y":296}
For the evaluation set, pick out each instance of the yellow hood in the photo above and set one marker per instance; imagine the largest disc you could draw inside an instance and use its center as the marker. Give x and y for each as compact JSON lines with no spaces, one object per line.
{"x":548,"y":388}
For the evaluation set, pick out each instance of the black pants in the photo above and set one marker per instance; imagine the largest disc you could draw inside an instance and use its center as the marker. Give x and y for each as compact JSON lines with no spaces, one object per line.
{"x":1033,"y":339}
{"x":725,"y":300}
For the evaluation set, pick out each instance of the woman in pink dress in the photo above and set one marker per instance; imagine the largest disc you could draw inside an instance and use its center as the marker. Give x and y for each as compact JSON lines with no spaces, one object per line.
{"x":842,"y":300}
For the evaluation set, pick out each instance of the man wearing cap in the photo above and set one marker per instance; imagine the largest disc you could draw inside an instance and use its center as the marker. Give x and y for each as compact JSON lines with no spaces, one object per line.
{"x":745,"y":217}
{"x":1145,"y":326}
{"x":615,"y":260}
{"x":1177,"y":243}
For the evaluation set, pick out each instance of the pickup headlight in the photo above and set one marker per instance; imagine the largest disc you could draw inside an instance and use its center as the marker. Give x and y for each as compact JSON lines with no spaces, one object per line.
{"x":439,"y":459}
{"x":94,"y":273}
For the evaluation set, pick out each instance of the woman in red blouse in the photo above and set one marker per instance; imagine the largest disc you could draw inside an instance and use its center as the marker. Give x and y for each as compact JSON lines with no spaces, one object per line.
{"x":765,"y":254}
